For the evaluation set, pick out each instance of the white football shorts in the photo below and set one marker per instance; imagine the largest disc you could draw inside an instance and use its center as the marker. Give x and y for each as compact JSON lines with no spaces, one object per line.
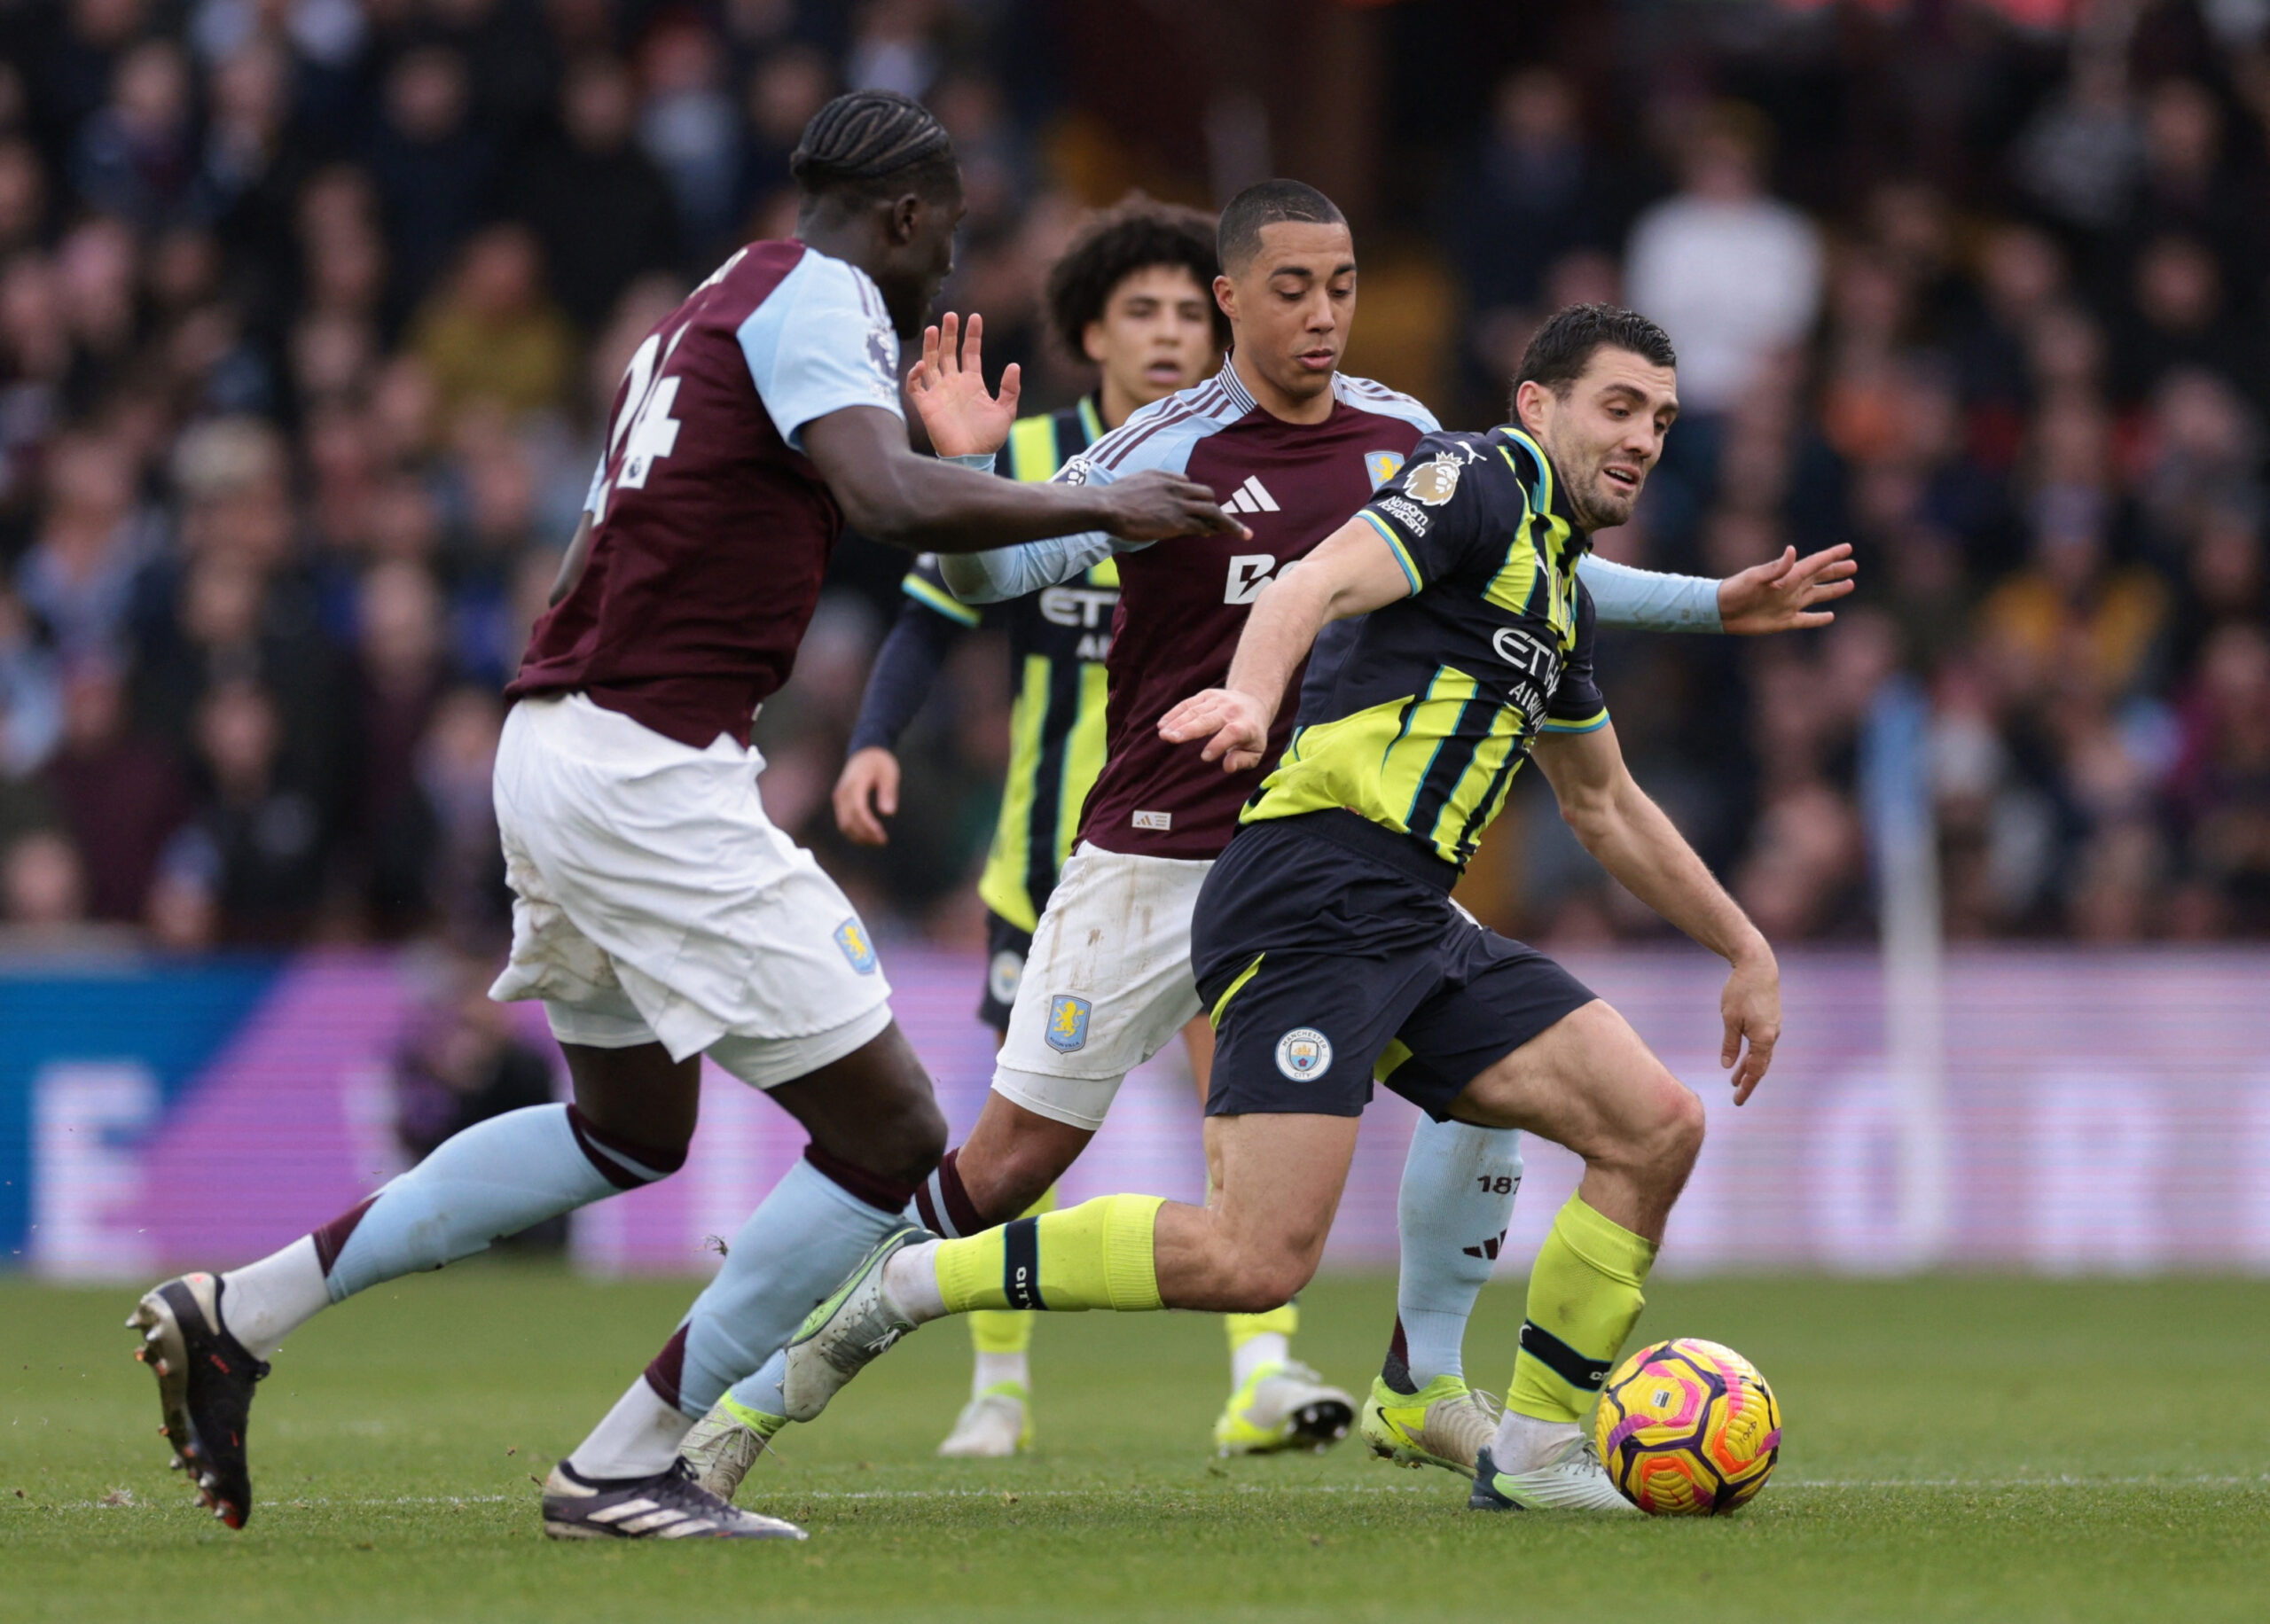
{"x":654,"y":902}
{"x":1107,"y":983}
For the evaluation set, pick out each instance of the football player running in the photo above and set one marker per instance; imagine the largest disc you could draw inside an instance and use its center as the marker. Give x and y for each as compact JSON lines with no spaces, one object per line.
{"x":1133,"y":296}
{"x":1294,"y":446}
{"x":657,"y":912}
{"x":1329,"y":951}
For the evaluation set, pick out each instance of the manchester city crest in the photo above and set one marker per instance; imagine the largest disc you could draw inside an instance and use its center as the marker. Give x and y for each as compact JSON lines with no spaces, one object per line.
{"x":1002,"y":975}
{"x":1304,"y":1053}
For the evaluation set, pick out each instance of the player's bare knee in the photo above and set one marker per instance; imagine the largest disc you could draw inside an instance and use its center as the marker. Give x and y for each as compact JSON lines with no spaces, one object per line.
{"x":1255,"y":1281}
{"x":1675,"y":1138}
{"x":1274,"y":1284}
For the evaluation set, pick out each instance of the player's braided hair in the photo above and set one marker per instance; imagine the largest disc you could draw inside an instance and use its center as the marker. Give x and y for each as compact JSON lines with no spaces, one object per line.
{"x":871,"y":143}
{"x":1133,"y":236}
{"x":1563,"y":348}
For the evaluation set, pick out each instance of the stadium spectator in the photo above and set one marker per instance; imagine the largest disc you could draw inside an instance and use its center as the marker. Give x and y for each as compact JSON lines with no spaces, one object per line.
{"x":252,"y":861}
{"x":691,"y":127}
{"x":41,"y":883}
{"x":595,"y":201}
{"x":1732,"y":274}
{"x":431,"y":166}
{"x":491,"y":333}
{"x":120,"y":797}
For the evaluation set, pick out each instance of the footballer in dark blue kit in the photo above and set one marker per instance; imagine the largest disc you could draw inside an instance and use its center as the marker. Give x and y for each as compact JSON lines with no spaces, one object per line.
{"x":1336,"y":894}
{"x":1327,"y":951}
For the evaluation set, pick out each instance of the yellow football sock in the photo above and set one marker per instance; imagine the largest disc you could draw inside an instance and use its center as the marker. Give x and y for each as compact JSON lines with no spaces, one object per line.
{"x":1584,"y":1299}
{"x":1244,"y":1327}
{"x":1008,"y":1330}
{"x":1095,"y":1255}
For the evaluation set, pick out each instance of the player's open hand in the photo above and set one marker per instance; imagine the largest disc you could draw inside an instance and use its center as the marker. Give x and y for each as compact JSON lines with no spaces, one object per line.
{"x":947,"y":389}
{"x":1235,"y":727}
{"x":1153,"y":505}
{"x":1787,"y":594}
{"x":1751,"y":1007}
{"x":866,"y":793}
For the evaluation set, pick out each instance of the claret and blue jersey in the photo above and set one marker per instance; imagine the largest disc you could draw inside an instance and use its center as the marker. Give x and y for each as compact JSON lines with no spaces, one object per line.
{"x":1432,"y":705}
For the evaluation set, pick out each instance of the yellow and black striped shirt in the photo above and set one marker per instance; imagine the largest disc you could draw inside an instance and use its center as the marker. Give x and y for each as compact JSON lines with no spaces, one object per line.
{"x":1059,"y":638}
{"x":1431,"y":706}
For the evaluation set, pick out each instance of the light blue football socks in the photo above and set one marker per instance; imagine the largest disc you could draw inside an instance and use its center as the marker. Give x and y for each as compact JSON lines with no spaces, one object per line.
{"x":1452,"y":1209}
{"x":795,"y":1248}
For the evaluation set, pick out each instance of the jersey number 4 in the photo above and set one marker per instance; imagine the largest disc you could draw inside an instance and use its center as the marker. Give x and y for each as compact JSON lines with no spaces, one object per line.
{"x":645,"y":432}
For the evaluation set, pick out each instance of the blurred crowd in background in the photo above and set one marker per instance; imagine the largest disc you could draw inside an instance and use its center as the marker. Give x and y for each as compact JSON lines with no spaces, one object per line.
{"x":310,"y":310}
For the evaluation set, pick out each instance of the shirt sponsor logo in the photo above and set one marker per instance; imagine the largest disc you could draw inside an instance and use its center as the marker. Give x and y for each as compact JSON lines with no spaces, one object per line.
{"x":1304,"y":1053}
{"x":1154,"y":820}
{"x":1434,"y":482}
{"x":1382,"y":466}
{"x":1084,"y":607}
{"x":1067,"y":1023}
{"x":1251,"y":497}
{"x":1249,"y":572}
{"x":1074,"y":472}
{"x":851,"y":936}
{"x":1517,"y":648}
{"x":1410,"y":514}
{"x":1003,"y":975}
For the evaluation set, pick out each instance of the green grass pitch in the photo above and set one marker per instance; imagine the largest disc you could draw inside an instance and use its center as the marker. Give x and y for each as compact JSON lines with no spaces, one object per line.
{"x":1956,"y":1448}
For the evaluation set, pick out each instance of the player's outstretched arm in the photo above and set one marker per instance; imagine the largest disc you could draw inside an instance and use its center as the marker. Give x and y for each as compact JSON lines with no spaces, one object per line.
{"x":1636,"y":843}
{"x":1000,"y":573}
{"x":1787,"y":594}
{"x":1352,"y":571}
{"x":926,"y":506}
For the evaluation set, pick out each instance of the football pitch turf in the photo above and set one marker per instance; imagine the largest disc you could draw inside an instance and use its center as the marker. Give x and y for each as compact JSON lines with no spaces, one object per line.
{"x":1955,"y":1448}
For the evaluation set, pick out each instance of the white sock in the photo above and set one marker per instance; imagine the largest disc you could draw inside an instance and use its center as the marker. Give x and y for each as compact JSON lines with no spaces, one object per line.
{"x":1262,"y":1348}
{"x":639,"y":1438}
{"x":1451,"y":1211}
{"x":264,"y":1302}
{"x":1523,"y":1443}
{"x":911,"y":1282}
{"x":994,"y":1368}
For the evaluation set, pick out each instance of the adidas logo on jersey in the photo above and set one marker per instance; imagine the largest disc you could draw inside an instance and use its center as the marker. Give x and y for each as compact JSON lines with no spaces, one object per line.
{"x":1251,"y":497}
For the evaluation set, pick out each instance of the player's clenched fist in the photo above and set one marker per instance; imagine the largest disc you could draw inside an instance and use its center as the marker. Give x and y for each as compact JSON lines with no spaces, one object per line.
{"x":1154,"y":504}
{"x":1234,"y":725}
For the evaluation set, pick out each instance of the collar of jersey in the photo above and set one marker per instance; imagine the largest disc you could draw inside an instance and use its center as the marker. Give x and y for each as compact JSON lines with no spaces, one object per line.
{"x":1242,"y":398}
{"x":1557,"y":500}
{"x":1235,"y":389}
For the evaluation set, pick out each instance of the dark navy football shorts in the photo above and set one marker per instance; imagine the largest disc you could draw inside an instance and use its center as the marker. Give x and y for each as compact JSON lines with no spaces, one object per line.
{"x":1329,"y":951}
{"x":1005,"y":949}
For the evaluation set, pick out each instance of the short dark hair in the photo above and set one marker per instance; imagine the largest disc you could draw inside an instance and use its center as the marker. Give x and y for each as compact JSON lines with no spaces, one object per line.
{"x":1564,"y":346}
{"x":1238,"y":239}
{"x":1135,"y":235}
{"x":874,"y":143}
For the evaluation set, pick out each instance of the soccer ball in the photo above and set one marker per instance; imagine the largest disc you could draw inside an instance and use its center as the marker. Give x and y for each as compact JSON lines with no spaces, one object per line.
{"x":1687,"y":1428}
